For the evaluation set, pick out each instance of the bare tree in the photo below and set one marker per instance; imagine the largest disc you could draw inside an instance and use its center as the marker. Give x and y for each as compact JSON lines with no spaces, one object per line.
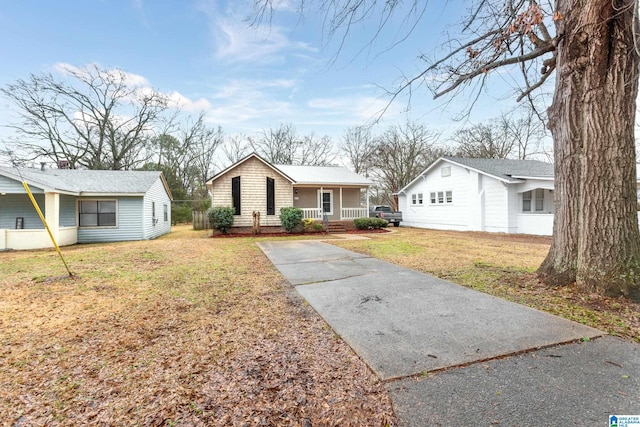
{"x":97,"y":120}
{"x":399,"y":155}
{"x":235,"y":148}
{"x":284,"y":146}
{"x":357,"y":145}
{"x":484,"y":140}
{"x":593,"y":47}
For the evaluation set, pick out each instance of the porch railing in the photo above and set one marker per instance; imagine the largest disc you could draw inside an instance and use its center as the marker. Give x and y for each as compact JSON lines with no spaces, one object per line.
{"x":353,"y":213}
{"x":311,"y":213}
{"x":345,"y":214}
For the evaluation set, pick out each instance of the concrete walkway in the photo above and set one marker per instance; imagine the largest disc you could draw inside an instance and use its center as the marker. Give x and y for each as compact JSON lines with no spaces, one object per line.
{"x":412,"y":329}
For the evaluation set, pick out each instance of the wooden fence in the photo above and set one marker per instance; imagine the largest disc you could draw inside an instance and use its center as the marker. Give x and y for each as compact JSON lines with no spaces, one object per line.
{"x":200,"y":220}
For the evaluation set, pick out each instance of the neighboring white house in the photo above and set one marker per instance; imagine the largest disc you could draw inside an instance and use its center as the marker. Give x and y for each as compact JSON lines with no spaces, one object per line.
{"x":496,"y":195}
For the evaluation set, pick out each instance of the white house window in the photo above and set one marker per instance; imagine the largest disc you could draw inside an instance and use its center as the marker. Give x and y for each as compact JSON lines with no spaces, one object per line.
{"x":166,"y":213}
{"x":537,"y":196}
{"x":97,"y":213}
{"x":441,"y":197}
{"x":417,"y":199}
{"x":326,"y":201}
{"x":539,"y":200}
{"x":445,"y":171}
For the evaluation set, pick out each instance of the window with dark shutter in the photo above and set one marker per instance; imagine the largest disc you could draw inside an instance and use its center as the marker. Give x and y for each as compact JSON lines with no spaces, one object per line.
{"x":235,"y":194}
{"x":271,"y":196}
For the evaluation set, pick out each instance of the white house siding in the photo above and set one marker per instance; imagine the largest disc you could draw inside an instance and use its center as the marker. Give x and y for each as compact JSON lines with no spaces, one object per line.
{"x":253,"y":175}
{"x":155,"y":227}
{"x":496,"y":206}
{"x":128,"y":219}
{"x":445,"y":216}
{"x":19,"y":205}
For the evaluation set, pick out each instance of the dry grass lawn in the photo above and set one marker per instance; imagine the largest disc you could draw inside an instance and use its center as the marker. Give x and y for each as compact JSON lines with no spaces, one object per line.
{"x":502,"y":265}
{"x":187,"y":330}
{"x":183,"y":330}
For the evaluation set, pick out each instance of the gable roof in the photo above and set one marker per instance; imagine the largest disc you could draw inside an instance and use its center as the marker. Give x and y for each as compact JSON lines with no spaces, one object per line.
{"x":323,"y":175}
{"x":304,"y":174}
{"x":509,"y":171}
{"x":88,"y":182}
{"x":243,"y":160}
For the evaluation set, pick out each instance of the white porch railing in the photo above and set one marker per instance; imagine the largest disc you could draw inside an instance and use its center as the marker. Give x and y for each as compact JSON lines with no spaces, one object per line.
{"x":345,"y":214}
{"x":353,"y":213}
{"x":311,"y":213}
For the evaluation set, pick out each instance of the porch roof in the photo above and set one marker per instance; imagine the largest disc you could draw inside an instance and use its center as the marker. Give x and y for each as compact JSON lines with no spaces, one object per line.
{"x":323,"y":175}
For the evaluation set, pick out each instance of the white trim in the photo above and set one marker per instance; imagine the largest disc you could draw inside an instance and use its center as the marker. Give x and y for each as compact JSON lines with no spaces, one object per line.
{"x":320,"y":201}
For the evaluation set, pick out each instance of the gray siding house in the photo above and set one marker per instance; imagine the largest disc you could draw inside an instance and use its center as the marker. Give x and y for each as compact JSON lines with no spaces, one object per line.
{"x":82,"y":206}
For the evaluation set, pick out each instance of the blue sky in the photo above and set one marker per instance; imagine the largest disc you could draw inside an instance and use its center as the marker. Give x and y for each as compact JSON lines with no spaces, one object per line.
{"x":204,"y":54}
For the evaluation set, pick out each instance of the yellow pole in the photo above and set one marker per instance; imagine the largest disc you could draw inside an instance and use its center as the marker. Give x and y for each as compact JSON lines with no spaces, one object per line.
{"x":44,"y":221}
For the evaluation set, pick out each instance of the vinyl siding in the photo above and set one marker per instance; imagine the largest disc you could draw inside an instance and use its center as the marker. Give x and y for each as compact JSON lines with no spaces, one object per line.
{"x":253,"y":192}
{"x":8,"y":185}
{"x":128,"y":219}
{"x":68,"y":214}
{"x":19,"y":205}
{"x":157,"y":194}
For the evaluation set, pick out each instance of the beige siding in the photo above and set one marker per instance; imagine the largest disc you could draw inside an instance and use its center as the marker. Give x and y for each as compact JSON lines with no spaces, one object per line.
{"x":253,"y":192}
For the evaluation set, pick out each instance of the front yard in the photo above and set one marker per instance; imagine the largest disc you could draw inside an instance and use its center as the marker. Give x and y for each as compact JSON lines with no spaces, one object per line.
{"x":187,"y":330}
{"x":183,"y":330}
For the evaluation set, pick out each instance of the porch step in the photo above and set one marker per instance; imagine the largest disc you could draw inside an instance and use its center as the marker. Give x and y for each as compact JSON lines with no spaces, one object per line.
{"x":336,"y":227}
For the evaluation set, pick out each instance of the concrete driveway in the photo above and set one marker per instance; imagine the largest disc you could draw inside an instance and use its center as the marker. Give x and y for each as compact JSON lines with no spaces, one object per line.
{"x":406,"y":324}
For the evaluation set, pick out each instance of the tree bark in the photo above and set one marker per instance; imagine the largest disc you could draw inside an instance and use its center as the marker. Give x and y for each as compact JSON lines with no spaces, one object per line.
{"x":596,"y":241}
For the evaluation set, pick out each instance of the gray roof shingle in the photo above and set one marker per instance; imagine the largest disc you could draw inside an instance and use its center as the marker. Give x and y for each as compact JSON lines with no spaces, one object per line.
{"x":87,"y":181}
{"x":507,"y":169}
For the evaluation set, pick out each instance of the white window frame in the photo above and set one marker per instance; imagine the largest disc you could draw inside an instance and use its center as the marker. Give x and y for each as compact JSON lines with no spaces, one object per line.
{"x":444,"y":197}
{"x":539,"y":197}
{"x":526,"y":197}
{"x":98,"y":201}
{"x":166,"y":212}
{"x":445,"y":171}
{"x":320,"y":201}
{"x":417,"y":199}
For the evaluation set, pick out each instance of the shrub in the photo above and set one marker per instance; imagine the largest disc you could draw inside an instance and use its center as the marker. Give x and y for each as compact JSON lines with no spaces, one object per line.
{"x":317,"y":226}
{"x":370,"y":223}
{"x":291,"y":219}
{"x":307,"y":224}
{"x":221,"y":218}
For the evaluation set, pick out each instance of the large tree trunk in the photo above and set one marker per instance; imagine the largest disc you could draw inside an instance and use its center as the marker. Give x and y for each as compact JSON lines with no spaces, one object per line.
{"x":595,"y":234}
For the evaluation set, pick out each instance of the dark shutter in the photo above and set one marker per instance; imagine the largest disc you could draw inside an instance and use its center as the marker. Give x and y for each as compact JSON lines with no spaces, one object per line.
{"x":271,"y":196}
{"x":235,"y":194}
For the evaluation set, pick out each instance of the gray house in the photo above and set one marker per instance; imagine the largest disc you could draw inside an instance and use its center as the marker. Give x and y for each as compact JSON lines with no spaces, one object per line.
{"x":82,"y":206}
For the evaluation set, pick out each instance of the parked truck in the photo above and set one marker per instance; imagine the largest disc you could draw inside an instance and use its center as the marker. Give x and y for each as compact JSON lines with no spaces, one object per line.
{"x":385,"y":212}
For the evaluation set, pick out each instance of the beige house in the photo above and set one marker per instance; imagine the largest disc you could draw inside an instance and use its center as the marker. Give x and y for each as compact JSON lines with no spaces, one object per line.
{"x":331,"y":193}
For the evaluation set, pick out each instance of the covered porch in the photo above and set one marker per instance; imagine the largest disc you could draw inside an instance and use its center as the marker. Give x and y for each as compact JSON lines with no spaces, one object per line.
{"x":332,"y":203}
{"x":21,"y":227}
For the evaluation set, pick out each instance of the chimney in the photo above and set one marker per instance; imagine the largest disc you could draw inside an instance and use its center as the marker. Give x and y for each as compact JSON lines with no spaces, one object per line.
{"x":63,"y":164}
{"x":43,"y":165}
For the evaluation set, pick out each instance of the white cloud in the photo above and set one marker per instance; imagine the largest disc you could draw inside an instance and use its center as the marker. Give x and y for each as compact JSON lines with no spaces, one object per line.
{"x":237,"y":42}
{"x":357,"y":107}
{"x":130,"y":79}
{"x":177,"y":100}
